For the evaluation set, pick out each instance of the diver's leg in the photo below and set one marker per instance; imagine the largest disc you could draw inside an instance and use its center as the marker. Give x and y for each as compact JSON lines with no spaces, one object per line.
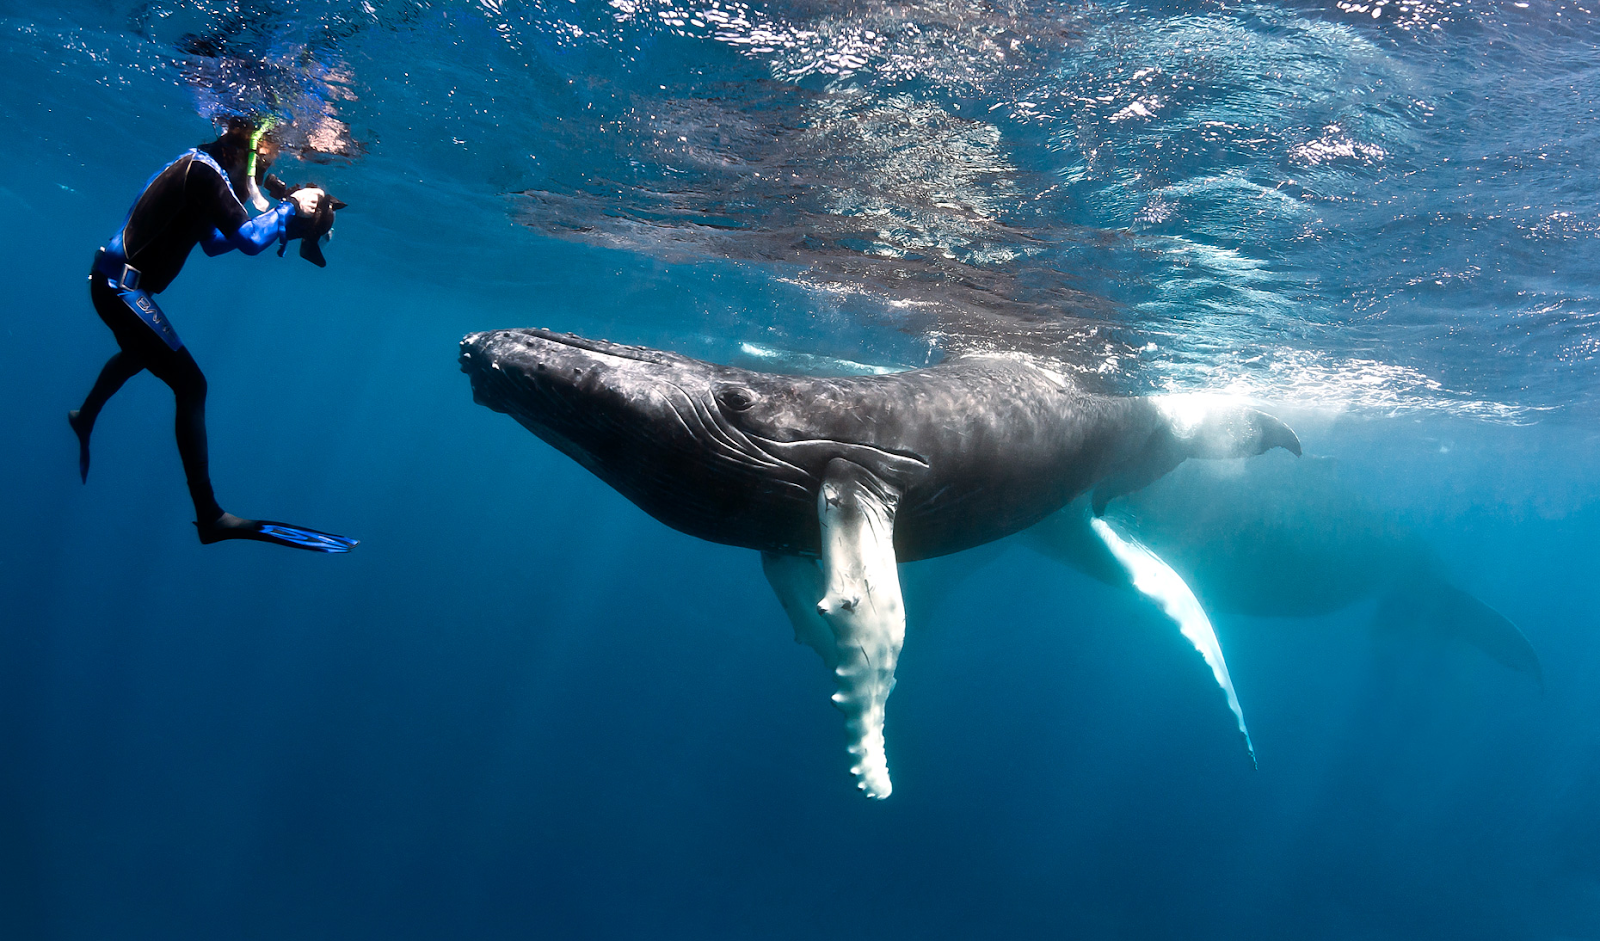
{"x":118,"y":369}
{"x":182,"y":374}
{"x":135,"y":344}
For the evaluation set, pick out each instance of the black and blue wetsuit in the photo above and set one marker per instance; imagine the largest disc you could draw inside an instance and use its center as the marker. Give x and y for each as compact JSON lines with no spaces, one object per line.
{"x":189,"y":202}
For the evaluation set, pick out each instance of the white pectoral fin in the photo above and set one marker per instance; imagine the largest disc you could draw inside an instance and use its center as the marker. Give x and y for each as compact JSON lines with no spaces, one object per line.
{"x":861,"y":604}
{"x":1156,"y":580}
{"x":849,"y":609}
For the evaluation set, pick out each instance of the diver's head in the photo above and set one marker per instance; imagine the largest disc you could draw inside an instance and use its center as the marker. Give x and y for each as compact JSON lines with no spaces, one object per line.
{"x":248,"y":148}
{"x":237,"y":131}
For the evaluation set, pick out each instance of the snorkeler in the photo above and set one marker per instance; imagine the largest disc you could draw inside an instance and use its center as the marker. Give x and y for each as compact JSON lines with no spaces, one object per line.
{"x":198,"y":199}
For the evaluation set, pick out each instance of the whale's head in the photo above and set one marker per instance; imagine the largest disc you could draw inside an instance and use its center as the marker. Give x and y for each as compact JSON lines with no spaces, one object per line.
{"x":657,"y":426}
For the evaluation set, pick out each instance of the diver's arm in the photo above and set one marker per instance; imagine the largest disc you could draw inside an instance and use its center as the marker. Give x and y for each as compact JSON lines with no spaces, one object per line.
{"x":215,"y":244}
{"x":255,"y":236}
{"x":232,"y":226}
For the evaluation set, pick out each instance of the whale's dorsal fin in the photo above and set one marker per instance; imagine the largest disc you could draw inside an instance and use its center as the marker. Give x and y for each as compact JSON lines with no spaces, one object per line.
{"x":848,"y":608}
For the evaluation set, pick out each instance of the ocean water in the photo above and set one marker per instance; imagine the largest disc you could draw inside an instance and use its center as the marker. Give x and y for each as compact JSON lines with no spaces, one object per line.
{"x":524,"y":709}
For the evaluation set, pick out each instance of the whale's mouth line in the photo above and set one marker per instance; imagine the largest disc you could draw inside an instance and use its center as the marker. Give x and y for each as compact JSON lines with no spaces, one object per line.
{"x":601,"y":347}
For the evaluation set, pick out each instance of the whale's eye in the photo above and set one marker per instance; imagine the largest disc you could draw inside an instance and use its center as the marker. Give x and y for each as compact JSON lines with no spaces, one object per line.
{"x":736,"y":398}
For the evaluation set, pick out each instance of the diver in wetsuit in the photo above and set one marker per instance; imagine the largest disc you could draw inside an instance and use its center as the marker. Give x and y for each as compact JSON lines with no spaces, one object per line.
{"x":198,"y":199}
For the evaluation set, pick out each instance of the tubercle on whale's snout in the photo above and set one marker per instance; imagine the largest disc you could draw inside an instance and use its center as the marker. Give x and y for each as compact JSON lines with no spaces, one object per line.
{"x":508,"y":365}
{"x":489,"y":359}
{"x":475,"y":362}
{"x":475,"y":349}
{"x":488,"y":348}
{"x":465,"y":357}
{"x":527,"y":339}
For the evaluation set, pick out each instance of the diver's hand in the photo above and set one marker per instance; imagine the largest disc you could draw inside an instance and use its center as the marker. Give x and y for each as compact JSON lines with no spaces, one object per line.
{"x":306,"y":199}
{"x":312,"y":221}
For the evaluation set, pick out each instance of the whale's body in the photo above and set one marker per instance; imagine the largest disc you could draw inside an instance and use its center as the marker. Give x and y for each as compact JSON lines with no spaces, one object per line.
{"x":834,"y":480}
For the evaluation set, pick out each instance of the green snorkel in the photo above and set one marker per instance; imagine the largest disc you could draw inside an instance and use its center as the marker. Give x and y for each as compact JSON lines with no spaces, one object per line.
{"x":256,"y":199}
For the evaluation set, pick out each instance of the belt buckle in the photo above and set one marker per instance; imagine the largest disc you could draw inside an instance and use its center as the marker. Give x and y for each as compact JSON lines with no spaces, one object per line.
{"x":129,"y":278}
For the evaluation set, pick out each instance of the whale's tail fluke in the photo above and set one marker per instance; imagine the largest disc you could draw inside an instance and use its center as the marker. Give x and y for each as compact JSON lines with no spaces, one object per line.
{"x":1200,"y":426}
{"x":1431,"y":605}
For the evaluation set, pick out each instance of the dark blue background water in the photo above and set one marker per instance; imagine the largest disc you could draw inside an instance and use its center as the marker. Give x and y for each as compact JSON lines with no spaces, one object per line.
{"x":522,"y":708}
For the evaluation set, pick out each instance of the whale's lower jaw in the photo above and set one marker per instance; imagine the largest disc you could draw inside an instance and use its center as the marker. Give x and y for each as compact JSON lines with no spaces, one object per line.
{"x":643,"y":422}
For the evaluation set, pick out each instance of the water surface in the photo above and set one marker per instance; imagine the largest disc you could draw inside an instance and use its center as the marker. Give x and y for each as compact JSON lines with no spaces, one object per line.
{"x":523,"y":708}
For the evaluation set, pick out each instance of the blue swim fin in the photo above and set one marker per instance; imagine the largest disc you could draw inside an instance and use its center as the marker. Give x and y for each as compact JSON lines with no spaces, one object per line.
{"x":229,"y":526}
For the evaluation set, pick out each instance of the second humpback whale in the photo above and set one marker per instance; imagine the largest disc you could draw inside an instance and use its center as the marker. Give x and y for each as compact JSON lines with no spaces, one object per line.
{"x":834,"y":480}
{"x":1273,"y":538}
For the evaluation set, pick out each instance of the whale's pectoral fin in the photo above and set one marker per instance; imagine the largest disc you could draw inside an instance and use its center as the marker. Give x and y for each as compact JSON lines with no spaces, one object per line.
{"x":849,"y":609}
{"x":1429,"y":603}
{"x":798,"y":584}
{"x":1068,"y":536}
{"x":1195,"y":426}
{"x":1156,"y":580}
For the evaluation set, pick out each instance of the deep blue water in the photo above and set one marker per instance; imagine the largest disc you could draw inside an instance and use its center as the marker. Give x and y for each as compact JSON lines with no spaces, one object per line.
{"x":523,"y":708}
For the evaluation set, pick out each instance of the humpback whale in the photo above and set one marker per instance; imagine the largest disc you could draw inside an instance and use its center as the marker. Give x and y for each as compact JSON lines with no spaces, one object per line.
{"x":834,"y":480}
{"x":1282,"y":538}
